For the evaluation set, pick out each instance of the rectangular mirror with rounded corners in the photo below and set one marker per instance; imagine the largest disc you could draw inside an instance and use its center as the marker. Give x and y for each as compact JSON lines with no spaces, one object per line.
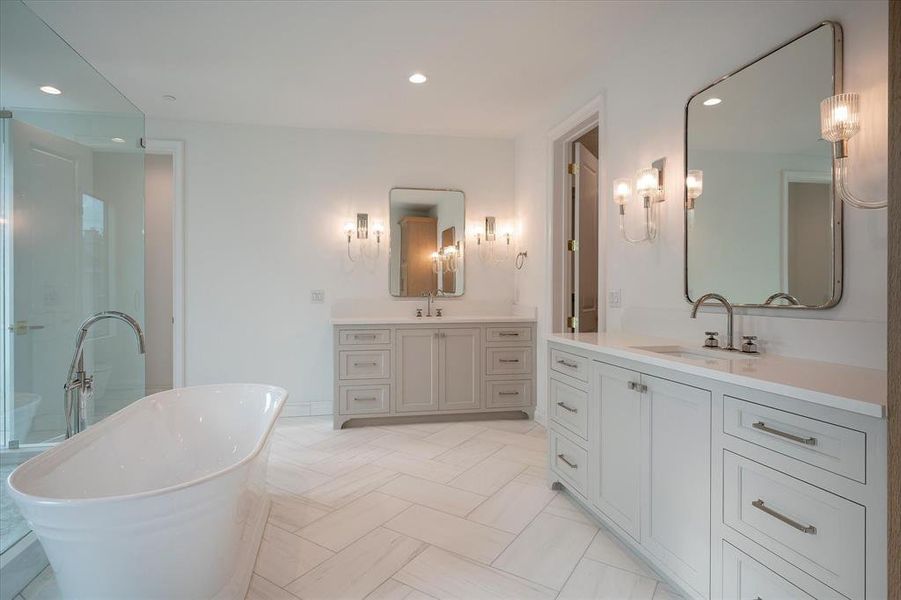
{"x":426,"y":242}
{"x":763,"y":226}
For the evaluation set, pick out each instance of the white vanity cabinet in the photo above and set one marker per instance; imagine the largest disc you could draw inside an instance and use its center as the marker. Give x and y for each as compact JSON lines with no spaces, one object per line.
{"x":729,"y":481}
{"x":433,"y":366}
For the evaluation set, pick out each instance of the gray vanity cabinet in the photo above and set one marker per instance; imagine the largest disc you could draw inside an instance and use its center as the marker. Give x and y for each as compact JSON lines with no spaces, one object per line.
{"x":459,"y":369}
{"x":417,"y":370}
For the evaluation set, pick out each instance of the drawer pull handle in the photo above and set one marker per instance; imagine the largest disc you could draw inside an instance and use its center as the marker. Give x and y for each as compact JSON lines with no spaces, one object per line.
{"x":366,"y":364}
{"x":508,"y":360}
{"x":569,"y":408}
{"x":508,"y":334}
{"x":760,"y":425}
{"x":758,"y":504}
{"x":364,"y":336}
{"x":638,"y":387}
{"x":571,"y":465}
{"x":508,"y":393}
{"x":567,"y":364}
{"x":369,"y":399}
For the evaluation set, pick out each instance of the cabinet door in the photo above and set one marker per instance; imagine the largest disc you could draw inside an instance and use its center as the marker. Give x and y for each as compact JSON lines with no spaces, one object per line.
{"x":459,"y":359}
{"x":619,"y":448}
{"x":676,"y":506}
{"x":417,"y":370}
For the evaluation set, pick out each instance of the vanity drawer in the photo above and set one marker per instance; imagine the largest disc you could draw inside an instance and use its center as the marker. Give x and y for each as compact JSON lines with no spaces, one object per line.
{"x":745,"y":579}
{"x":364,"y":337}
{"x":508,"y":334}
{"x":364,"y":399}
{"x":500,"y":394}
{"x":569,"y":407}
{"x":364,"y":364}
{"x":836,"y":449}
{"x":569,"y":460}
{"x":819,"y":532}
{"x":570,"y":364}
{"x":509,"y":361}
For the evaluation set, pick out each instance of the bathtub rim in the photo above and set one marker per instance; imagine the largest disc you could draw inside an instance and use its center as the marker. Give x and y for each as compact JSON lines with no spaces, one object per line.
{"x":19,"y":495}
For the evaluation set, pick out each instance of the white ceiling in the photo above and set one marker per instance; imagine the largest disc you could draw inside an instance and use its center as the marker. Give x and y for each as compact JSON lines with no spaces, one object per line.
{"x":493,"y":66}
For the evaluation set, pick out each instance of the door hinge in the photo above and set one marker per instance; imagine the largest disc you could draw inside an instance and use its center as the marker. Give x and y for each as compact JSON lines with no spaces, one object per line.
{"x":572,"y":168}
{"x":6,"y":114}
{"x":572,"y":322}
{"x":572,"y":245}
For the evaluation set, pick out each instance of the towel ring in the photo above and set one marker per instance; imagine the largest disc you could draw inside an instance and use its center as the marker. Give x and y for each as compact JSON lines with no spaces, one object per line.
{"x":520,"y":260}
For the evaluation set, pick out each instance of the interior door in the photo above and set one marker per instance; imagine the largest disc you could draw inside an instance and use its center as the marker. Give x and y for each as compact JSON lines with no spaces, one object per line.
{"x":460,"y":358}
{"x":417,"y":370}
{"x":586,"y":230}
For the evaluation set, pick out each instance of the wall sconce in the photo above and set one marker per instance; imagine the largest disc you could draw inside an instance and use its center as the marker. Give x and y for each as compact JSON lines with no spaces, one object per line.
{"x":446,"y":260}
{"x":694,"y":187}
{"x":487,"y":242}
{"x":839,"y":122}
{"x":360,"y":231}
{"x":649,"y":187}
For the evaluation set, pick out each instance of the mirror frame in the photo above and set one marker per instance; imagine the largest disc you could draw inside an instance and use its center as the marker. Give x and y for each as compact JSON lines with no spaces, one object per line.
{"x":462,"y":239}
{"x":837,"y":204}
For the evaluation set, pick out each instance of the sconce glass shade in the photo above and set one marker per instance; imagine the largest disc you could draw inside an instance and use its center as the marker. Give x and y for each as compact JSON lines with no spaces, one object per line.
{"x":622,"y":191}
{"x":647,"y":182}
{"x":694,"y":184}
{"x":840,"y":117}
{"x":378,"y":228}
{"x":349,"y":228}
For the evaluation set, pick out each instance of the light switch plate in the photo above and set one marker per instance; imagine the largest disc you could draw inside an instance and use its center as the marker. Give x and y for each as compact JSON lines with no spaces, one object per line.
{"x":317,"y":296}
{"x":615,"y":298}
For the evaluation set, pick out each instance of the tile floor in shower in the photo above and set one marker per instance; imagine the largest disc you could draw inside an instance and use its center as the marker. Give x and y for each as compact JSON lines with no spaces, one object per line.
{"x":437,"y":510}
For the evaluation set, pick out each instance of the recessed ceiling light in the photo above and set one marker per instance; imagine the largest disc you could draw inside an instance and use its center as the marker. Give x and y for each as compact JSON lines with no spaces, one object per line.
{"x":169,"y":98}
{"x":418,"y":78}
{"x":712,"y":101}
{"x":49,"y":89}
{"x":118,"y":140}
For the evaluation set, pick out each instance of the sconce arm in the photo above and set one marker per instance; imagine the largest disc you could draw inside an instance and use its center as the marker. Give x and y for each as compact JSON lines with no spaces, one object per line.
{"x":840,"y":169}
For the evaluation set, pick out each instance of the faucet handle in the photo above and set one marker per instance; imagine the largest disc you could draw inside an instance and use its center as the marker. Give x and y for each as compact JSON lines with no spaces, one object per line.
{"x":749,"y":344}
{"x":418,"y":312}
{"x":711,"y":341}
{"x":438,"y":312}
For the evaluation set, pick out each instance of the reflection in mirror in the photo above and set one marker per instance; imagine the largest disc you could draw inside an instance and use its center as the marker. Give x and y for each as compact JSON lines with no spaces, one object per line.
{"x":765,"y":221}
{"x":427,"y":233}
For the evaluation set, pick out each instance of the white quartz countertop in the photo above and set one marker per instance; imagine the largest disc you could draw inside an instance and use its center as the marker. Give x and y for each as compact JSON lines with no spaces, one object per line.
{"x":855,"y":389}
{"x":408,"y":320}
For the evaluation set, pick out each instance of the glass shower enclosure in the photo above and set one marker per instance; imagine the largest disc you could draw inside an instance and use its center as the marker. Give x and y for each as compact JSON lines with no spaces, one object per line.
{"x":71,"y":241}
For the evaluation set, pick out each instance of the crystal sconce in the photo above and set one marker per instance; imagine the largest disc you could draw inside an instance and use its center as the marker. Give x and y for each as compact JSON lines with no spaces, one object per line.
{"x":447,"y":259}
{"x":487,"y":242}
{"x":839,"y":122}
{"x":361,"y":232}
{"x":649,"y":188}
{"x":694,"y":187}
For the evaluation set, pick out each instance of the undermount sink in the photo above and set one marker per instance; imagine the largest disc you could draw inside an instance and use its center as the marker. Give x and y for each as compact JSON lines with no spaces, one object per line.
{"x":696,"y":353}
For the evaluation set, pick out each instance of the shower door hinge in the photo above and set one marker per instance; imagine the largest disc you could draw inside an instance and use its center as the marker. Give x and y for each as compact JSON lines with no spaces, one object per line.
{"x":12,"y":444}
{"x":572,"y":168}
{"x":572,"y":245}
{"x":6,"y":114}
{"x":142,"y":142}
{"x":572,"y":322}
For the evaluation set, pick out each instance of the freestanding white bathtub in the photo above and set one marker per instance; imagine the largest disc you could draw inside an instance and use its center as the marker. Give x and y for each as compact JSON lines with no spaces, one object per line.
{"x":164,"y":499}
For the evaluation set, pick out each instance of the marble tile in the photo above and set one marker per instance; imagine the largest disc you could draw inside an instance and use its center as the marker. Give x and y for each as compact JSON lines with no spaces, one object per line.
{"x":289,"y":450}
{"x":434,"y":495}
{"x":596,"y":581}
{"x":284,"y":557}
{"x":395,"y":590}
{"x":452,"y":533}
{"x":263,"y":589}
{"x":607,"y":549}
{"x":349,"y":487}
{"x":547,"y":551}
{"x":529,"y":457}
{"x":290,"y":512}
{"x":348,"y":460}
{"x":454,"y":435}
{"x":566,"y":507}
{"x":415,"y":430}
{"x":469,"y":453}
{"x":446,"y":576}
{"x":422,"y":468}
{"x":537,"y":476}
{"x":538,"y":431}
{"x":351,"y":522}
{"x":488,"y":476}
{"x":408,"y":445}
{"x":522,"y":426}
{"x":359,"y":569}
{"x":508,"y":438}
{"x":348,"y":438}
{"x":513,"y":507}
{"x":290,"y":477}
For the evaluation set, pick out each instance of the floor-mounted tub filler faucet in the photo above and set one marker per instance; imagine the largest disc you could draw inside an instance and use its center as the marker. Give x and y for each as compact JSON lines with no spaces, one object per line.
{"x":700,"y":301}
{"x":79,"y":385}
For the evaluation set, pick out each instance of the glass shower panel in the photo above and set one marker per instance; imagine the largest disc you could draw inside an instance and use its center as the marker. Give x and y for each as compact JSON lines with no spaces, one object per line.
{"x":71,"y":237}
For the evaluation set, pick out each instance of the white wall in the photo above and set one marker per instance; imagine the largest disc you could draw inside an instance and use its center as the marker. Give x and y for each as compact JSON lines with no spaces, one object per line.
{"x":645,"y":87}
{"x":264,"y":209}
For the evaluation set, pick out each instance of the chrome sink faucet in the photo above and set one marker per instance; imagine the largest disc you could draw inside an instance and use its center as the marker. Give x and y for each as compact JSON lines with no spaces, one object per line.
{"x":729,"y":314}
{"x":429,"y":297}
{"x":79,"y":385}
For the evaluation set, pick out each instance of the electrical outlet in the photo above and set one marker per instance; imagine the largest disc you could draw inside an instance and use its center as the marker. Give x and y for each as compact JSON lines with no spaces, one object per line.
{"x":317,"y":296}
{"x":615,"y":298}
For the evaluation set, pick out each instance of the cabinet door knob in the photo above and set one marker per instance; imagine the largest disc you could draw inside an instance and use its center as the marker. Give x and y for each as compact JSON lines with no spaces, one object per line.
{"x":638,"y":387}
